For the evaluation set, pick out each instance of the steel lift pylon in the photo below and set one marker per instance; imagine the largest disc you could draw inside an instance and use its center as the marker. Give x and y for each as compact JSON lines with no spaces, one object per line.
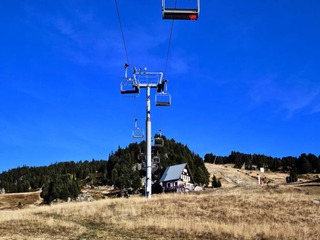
{"x":146,"y":80}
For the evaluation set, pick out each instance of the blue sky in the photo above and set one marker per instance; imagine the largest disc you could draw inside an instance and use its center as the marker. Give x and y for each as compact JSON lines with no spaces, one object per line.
{"x":244,"y":77}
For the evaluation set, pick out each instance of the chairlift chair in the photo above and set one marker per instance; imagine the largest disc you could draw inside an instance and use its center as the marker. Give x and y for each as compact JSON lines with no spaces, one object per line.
{"x":141,"y":157}
{"x":163,"y":99}
{"x":180,"y":13}
{"x":137,"y":132}
{"x":156,"y":160}
{"x":158,"y":142}
{"x":129,"y":86}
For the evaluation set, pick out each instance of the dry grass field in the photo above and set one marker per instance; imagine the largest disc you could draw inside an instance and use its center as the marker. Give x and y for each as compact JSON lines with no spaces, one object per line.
{"x":230,"y":176}
{"x":19,"y":200}
{"x":246,"y":211}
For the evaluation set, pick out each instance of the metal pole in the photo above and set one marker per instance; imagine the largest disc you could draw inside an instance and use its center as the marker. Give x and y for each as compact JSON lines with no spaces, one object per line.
{"x":148,"y":141}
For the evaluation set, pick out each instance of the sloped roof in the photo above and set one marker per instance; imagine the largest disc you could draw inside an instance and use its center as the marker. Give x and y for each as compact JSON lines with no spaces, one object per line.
{"x":173,"y":172}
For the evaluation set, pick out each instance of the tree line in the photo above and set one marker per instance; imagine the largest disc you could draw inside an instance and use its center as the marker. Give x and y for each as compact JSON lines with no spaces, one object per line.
{"x":64,"y":180}
{"x":305,"y":163}
{"x":124,"y":169}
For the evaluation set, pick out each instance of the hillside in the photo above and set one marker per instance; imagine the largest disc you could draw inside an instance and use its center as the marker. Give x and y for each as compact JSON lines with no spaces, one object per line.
{"x":233,"y":177}
{"x":236,"y":211}
{"x":124,"y":169}
{"x":19,"y":200}
{"x":228,"y":175}
{"x":227,"y":213}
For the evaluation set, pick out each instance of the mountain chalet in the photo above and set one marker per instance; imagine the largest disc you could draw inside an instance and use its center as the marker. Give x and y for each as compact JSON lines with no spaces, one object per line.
{"x":177,"y":178}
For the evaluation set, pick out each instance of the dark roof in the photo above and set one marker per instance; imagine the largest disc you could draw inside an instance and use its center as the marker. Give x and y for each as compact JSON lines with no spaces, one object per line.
{"x":173,"y":172}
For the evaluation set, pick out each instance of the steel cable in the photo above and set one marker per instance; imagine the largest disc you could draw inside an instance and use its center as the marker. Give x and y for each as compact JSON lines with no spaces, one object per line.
{"x":123,"y":39}
{"x":169,"y":44}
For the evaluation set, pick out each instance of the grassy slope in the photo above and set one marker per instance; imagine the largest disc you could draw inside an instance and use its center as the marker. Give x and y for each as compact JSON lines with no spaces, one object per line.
{"x":229,"y":176}
{"x":247,"y":211}
{"x":19,"y":200}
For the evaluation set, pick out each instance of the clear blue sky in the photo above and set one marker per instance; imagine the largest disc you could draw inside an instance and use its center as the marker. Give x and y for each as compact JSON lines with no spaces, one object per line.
{"x":244,"y":77}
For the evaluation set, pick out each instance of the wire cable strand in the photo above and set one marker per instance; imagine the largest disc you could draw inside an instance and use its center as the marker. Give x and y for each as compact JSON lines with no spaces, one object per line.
{"x":123,"y":39}
{"x":168,"y":51}
{"x":169,"y":44}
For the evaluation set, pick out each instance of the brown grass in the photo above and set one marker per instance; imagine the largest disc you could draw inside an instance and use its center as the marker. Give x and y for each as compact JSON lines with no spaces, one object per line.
{"x":19,"y":200}
{"x":229,"y":175}
{"x":233,"y":213}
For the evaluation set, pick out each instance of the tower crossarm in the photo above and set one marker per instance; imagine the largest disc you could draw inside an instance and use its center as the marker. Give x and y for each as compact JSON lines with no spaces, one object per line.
{"x":148,"y":79}
{"x":150,"y":85}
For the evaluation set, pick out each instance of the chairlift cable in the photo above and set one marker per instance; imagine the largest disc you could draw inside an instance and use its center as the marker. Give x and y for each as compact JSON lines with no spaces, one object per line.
{"x":169,"y":44}
{"x":123,"y":39}
{"x":168,"y":51}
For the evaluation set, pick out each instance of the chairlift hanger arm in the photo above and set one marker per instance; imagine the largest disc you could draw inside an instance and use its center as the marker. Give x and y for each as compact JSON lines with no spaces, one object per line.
{"x":164,"y":5}
{"x":126,"y":65}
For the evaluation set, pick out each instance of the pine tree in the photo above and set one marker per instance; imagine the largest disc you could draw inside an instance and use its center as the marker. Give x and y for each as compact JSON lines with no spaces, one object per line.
{"x":215,"y":182}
